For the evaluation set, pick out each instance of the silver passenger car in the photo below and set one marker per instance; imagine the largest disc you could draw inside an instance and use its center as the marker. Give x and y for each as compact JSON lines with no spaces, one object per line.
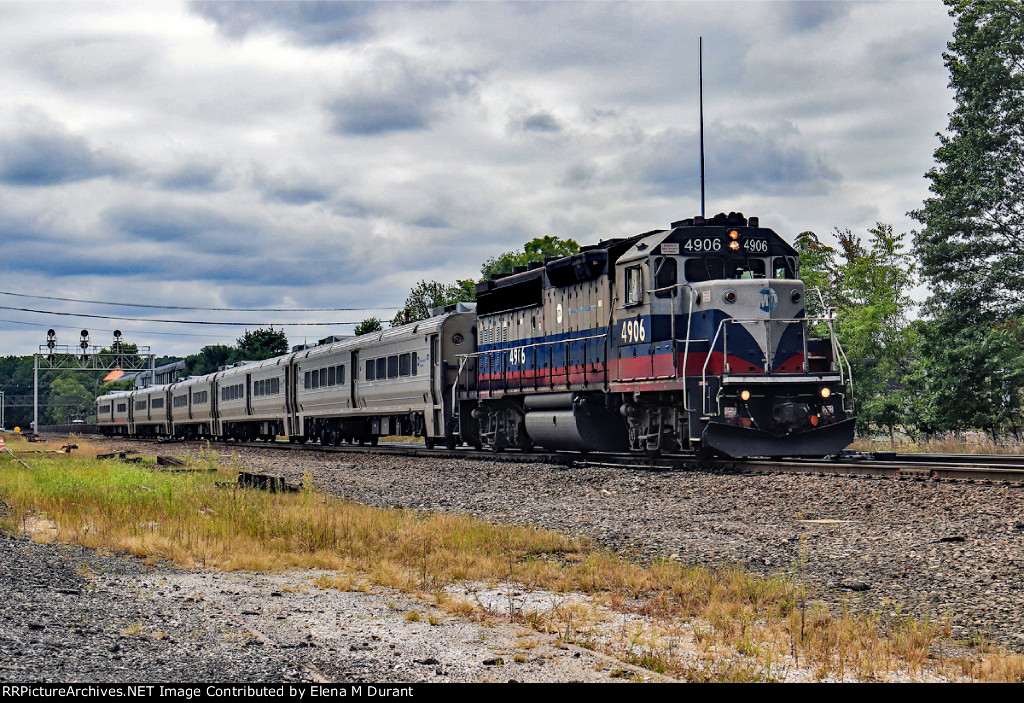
{"x":193,"y":407}
{"x":112,"y":413}
{"x":148,"y":412}
{"x":395,"y":382}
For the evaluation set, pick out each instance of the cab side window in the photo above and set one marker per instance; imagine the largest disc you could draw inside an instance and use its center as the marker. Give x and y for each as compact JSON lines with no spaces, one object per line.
{"x":634,"y":285}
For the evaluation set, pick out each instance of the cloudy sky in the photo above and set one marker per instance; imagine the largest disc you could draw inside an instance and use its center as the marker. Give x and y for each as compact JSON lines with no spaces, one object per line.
{"x":330,"y":155}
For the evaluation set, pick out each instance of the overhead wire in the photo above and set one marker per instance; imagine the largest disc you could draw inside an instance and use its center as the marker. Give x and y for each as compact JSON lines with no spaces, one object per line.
{"x":126,"y":330}
{"x":189,"y":307}
{"x":178,"y":322}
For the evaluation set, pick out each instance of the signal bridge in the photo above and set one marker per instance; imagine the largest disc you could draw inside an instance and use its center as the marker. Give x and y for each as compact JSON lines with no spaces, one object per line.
{"x":62,"y":357}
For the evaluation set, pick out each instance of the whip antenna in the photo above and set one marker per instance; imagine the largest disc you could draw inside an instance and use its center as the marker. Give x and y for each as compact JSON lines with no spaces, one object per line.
{"x":700,"y":83}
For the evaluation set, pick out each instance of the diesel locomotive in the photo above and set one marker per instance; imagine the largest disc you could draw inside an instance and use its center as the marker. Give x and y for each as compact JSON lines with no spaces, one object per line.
{"x":694,"y":339}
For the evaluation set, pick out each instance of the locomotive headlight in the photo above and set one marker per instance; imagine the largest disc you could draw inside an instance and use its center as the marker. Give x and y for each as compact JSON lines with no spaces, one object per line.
{"x":733,"y":234}
{"x":734,"y":245}
{"x":744,"y":395}
{"x":826,"y":392}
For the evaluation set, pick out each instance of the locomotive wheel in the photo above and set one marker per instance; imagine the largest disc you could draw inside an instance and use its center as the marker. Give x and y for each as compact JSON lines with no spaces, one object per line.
{"x":373,"y":441}
{"x":428,"y":442}
{"x":450,"y":442}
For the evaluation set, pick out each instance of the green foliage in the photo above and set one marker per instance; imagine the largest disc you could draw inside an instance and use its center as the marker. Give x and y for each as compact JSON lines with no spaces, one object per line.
{"x":60,"y":394}
{"x":868,"y":284}
{"x":263,"y":343}
{"x":371,"y":324}
{"x":252,"y":346}
{"x":209,"y":359}
{"x":431,"y":294}
{"x":972,"y":244}
{"x":536,"y":249}
{"x":68,"y":399}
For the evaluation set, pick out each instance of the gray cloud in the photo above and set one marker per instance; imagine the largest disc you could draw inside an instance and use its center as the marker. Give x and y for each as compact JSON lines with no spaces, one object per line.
{"x":809,"y":15}
{"x":317,"y":23}
{"x":271,"y":151}
{"x":738,"y":158}
{"x":199,"y":228}
{"x":395,"y":94}
{"x":193,"y":176}
{"x":47,"y":155}
{"x":541,"y":122}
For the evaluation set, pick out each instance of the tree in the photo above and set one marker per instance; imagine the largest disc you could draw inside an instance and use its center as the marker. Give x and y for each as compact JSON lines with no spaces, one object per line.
{"x":370,"y":324}
{"x":262,"y":344}
{"x":971,"y":247}
{"x":69,"y":399}
{"x":867,"y":285}
{"x":209,"y":359}
{"x":431,"y":294}
{"x":536,"y":249}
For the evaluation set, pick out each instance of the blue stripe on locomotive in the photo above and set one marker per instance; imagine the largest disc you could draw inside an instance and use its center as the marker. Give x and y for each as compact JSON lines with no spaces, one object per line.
{"x":549,"y":351}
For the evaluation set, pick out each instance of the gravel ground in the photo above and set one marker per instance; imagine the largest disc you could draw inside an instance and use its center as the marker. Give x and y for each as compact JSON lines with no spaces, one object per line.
{"x":888,"y":546}
{"x":72,"y":615}
{"x":945,"y":549}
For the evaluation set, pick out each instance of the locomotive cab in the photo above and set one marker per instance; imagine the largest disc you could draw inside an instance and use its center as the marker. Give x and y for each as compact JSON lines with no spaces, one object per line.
{"x":711,"y":336}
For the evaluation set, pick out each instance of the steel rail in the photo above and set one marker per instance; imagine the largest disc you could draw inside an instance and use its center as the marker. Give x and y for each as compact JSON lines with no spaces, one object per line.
{"x":956,"y":467}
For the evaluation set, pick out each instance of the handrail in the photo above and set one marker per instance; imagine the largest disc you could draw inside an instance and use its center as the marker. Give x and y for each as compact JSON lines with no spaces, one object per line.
{"x":672,"y":331}
{"x":844,"y":378}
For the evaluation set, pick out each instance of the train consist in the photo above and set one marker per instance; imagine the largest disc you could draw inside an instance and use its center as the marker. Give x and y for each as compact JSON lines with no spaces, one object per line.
{"x":693,"y":339}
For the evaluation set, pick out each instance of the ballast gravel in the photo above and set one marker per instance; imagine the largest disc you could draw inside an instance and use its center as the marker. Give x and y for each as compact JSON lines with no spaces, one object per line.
{"x":949,"y":550}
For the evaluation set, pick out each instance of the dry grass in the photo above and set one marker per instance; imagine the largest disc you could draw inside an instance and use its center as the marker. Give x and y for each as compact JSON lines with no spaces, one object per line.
{"x":965,"y":443}
{"x":688,"y":622}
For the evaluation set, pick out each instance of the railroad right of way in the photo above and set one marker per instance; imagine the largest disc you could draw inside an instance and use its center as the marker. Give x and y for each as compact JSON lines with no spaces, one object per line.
{"x":932,"y":548}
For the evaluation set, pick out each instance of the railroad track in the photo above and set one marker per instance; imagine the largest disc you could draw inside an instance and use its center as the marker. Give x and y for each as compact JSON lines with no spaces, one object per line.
{"x":957,"y":467}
